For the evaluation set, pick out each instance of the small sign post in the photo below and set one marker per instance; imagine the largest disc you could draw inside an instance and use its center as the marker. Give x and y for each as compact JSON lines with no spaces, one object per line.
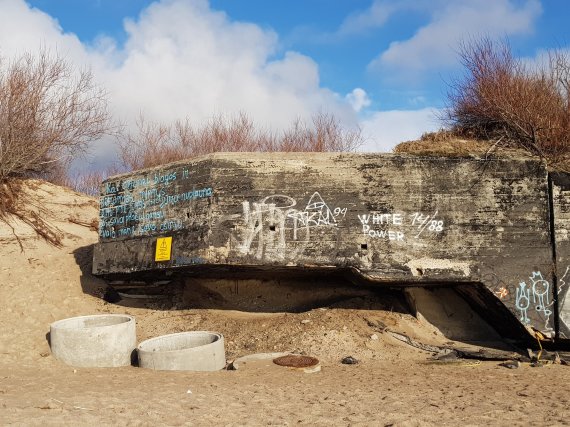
{"x":163,"y":249}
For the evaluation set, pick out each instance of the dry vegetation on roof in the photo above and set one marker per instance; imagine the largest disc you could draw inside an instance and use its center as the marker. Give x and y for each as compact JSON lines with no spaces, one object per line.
{"x":445,"y":144}
{"x":516,"y":105}
{"x":502,"y":106}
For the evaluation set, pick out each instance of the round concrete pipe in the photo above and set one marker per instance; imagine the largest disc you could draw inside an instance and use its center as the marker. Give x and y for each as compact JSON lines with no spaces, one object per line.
{"x":184,"y":351}
{"x":106,"y":340}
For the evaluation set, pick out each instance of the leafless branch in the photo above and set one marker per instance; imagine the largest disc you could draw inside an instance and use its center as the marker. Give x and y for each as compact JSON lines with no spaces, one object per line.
{"x":500,"y":97}
{"x":155,"y":143}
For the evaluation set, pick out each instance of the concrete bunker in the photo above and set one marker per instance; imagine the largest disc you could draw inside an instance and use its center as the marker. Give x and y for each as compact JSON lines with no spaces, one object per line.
{"x":493,"y":229}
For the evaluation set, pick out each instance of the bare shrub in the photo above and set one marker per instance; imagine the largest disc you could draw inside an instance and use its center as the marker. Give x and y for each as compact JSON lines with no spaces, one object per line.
{"x":220,"y":134}
{"x":48,"y":113}
{"x":90,"y":182}
{"x":155,"y":144}
{"x":325,"y":134}
{"x":504,"y":99}
{"x":83,"y":181}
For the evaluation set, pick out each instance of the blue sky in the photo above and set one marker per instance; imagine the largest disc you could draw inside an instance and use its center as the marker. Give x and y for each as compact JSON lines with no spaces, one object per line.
{"x":379,"y":64}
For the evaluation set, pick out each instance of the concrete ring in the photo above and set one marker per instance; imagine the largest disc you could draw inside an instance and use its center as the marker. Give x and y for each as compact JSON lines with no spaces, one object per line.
{"x":184,"y":351}
{"x":105,"y":340}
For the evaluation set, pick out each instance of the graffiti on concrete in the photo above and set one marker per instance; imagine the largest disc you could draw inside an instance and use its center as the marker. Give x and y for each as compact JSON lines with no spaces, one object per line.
{"x":431,"y":222}
{"x":535,"y":293}
{"x":317,"y":213}
{"x":563,"y":307}
{"x":502,"y":292}
{"x":390,"y":218}
{"x":541,"y":293}
{"x":532,"y":297}
{"x":279,"y":227}
{"x":273,"y":222}
{"x":139,"y":206}
{"x":522,"y":301}
{"x":391,"y":225}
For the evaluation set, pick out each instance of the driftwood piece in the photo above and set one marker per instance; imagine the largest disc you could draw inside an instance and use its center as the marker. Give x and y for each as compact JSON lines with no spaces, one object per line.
{"x":446,"y":353}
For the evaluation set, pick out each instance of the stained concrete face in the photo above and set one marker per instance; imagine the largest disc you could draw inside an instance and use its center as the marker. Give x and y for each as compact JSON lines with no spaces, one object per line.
{"x":391,"y":219}
{"x":450,"y":314}
{"x":560,"y":187}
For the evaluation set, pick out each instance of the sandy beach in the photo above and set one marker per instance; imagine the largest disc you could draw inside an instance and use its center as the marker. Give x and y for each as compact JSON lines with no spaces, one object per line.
{"x":393,"y":384}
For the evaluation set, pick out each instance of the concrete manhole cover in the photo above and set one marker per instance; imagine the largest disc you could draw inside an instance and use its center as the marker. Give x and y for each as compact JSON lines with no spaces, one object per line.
{"x":296,"y":361}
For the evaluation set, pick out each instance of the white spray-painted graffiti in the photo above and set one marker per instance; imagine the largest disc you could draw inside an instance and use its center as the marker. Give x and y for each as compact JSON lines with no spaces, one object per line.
{"x":431,"y":222}
{"x":276,"y":228}
{"x":275,"y":221}
{"x":539,"y":292}
{"x":384,"y":220}
{"x":317,"y":213}
{"x":532,"y":299}
{"x":522,"y":301}
{"x":564,"y":309}
{"x":389,"y":225}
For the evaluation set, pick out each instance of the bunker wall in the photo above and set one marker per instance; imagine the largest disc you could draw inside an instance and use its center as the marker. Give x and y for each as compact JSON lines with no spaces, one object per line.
{"x":391,"y":218}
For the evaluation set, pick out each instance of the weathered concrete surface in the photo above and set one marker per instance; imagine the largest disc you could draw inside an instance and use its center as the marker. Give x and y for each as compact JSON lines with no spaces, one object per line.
{"x":184,"y":351}
{"x":98,"y":341}
{"x":388,"y":218}
{"x":449,"y":313}
{"x":560,"y":188}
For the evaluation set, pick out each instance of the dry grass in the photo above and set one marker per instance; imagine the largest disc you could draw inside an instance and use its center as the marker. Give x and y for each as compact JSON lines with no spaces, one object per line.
{"x":446,"y":144}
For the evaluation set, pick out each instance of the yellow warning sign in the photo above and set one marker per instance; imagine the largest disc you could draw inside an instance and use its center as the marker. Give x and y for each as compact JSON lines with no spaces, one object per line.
{"x":163,"y":247}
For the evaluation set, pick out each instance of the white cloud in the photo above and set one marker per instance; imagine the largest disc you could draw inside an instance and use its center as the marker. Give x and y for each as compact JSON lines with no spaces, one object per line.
{"x":418,"y":100}
{"x":183,"y":59}
{"x":358,"y":99}
{"x":24,"y":29}
{"x":375,"y":16}
{"x":386,"y":129}
{"x":435,"y":44}
{"x":545,"y":59}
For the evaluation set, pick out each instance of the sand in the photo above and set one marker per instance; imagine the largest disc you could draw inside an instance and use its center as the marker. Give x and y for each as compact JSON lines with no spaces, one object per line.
{"x":393,"y":383}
